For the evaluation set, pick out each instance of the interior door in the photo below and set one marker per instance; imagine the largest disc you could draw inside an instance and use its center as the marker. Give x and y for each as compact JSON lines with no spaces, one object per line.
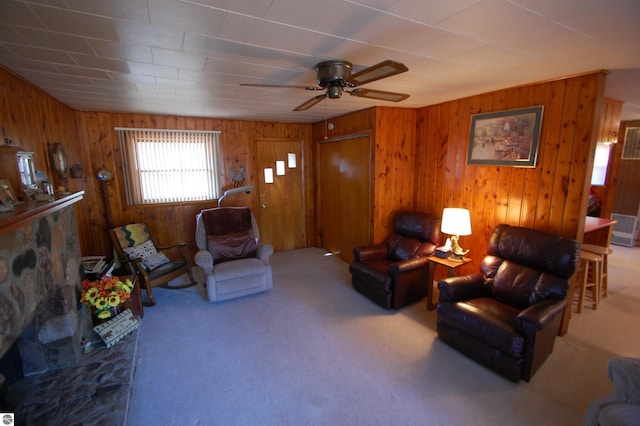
{"x":345,"y":194}
{"x":281,"y":201}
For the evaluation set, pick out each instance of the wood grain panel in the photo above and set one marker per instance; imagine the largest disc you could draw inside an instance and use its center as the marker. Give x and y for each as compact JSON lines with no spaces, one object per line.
{"x":550,"y":197}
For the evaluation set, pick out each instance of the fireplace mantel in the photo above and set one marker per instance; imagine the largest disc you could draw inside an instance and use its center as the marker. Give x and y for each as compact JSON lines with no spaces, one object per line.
{"x":33,"y":210}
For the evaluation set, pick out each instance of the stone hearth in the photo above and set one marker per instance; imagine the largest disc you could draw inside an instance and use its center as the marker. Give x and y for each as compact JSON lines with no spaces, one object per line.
{"x":39,"y":292}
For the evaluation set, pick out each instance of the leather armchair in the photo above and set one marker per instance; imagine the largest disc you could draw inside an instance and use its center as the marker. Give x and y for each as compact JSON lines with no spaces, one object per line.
{"x":233,"y":261}
{"x":507,"y":316}
{"x":394,"y":273}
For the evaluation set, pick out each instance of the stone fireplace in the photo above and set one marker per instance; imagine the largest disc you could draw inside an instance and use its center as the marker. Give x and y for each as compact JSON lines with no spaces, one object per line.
{"x":39,"y":287}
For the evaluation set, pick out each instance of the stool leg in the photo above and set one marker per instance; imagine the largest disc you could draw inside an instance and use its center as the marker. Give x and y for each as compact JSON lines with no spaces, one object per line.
{"x":605,"y":276}
{"x":596,"y":284}
{"x":583,"y":284}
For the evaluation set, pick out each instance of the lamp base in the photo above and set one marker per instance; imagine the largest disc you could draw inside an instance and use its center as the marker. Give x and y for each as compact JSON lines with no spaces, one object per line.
{"x":456,"y":257}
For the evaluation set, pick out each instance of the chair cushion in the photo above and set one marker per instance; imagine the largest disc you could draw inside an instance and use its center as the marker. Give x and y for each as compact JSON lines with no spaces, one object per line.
{"x":232,"y":246}
{"x":402,"y":248}
{"x":165,"y":269}
{"x":486,"y":320}
{"x":239,"y":268}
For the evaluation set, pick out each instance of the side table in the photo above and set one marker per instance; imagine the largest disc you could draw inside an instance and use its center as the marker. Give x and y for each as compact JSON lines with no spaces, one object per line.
{"x":135,"y":301}
{"x":431,"y":288}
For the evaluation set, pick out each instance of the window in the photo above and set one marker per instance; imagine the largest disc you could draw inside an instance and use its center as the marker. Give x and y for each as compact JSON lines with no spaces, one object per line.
{"x":169,"y":166}
{"x":631,"y":144}
{"x":600,"y":163}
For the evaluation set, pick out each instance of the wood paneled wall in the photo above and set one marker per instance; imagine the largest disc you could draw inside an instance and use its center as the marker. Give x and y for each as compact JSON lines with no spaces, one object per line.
{"x":419,"y":160}
{"x":551,"y":197}
{"x":394,"y":159}
{"x":32,"y":119}
{"x":174,"y":222}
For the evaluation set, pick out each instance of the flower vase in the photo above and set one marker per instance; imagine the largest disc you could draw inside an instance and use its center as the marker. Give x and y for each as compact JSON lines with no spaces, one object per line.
{"x":97,"y":320}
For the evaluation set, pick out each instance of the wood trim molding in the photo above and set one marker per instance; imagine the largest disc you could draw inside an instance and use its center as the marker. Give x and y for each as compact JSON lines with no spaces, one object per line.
{"x":31,"y":211}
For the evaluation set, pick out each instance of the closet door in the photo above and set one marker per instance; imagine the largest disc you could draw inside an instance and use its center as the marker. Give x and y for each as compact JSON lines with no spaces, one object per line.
{"x":345,"y":194}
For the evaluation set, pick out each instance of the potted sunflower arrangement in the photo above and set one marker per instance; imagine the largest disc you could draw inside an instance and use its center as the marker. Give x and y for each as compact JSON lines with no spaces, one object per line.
{"x":105,"y":296}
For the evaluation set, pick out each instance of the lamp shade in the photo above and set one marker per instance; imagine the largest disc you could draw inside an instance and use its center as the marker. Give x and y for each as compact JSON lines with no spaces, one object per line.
{"x":456,"y":221}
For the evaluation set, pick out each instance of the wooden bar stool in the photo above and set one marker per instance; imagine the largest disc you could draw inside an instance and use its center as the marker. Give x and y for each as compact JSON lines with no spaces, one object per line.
{"x":590,"y":264}
{"x":604,"y":253}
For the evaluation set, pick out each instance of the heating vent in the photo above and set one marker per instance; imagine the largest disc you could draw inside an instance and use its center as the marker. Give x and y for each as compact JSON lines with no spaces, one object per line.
{"x":625,"y":232}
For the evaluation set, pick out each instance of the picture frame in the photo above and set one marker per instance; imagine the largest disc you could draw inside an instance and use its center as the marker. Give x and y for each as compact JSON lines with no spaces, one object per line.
{"x":505,"y":138}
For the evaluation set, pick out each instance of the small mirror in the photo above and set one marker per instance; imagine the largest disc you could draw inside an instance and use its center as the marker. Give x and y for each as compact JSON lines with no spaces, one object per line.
{"x":59,"y":160}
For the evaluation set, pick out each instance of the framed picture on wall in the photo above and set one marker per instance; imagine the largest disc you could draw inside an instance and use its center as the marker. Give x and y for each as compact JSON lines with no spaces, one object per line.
{"x":505,"y":138}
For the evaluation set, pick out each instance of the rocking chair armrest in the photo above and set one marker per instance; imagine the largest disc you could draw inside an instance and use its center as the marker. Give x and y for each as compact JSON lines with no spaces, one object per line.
{"x":177,"y":245}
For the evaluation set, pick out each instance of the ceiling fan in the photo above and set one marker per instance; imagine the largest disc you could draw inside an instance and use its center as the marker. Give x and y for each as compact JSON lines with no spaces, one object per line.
{"x":334,"y":77}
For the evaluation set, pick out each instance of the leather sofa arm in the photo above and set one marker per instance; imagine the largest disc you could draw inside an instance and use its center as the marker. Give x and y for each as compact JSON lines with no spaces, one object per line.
{"x":264,"y":252}
{"x":370,"y":252}
{"x":464,"y":287}
{"x":536,"y":316}
{"x":204,"y":260}
{"x":403,"y":266}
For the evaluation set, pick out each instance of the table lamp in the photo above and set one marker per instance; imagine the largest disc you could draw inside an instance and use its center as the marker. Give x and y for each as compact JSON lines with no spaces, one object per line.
{"x":456,"y":222}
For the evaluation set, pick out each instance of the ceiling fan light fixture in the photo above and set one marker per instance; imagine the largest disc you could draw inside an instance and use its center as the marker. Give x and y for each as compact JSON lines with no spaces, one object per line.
{"x":376,"y":72}
{"x":334,"y":92}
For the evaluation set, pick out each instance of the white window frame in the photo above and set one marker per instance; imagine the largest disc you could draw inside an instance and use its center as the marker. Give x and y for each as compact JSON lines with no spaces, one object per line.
{"x":600,"y":164}
{"x":170,"y":166}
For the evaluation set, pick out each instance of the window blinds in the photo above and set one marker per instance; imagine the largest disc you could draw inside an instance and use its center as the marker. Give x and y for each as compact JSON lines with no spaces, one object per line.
{"x":169,"y":166}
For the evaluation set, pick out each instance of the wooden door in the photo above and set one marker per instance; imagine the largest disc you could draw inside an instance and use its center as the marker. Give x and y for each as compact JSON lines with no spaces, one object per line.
{"x":281,"y":202}
{"x":345,"y":194}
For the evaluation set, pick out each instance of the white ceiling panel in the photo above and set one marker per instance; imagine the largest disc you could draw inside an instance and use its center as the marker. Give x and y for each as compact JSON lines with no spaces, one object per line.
{"x":189,"y":57}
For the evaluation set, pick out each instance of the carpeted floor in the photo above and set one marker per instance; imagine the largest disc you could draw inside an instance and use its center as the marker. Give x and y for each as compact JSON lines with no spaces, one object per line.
{"x":313,"y":351}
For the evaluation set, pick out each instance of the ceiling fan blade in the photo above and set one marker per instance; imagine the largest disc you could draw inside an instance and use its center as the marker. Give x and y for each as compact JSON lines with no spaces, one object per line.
{"x":376,"y":72}
{"x":280,"y":86}
{"x":379,"y":94}
{"x":311,"y":102}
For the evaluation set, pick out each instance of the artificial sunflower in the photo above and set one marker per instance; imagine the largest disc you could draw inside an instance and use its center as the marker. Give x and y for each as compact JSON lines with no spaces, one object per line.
{"x":105,"y":294}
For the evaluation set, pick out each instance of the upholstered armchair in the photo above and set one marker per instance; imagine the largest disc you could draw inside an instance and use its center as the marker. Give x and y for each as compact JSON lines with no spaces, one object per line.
{"x":233,"y":262}
{"x":507,"y":316}
{"x":394,"y":273}
{"x":622,"y":406}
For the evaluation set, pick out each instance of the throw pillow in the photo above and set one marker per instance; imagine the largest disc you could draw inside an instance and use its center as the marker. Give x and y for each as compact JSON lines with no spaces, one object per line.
{"x":155,"y":260}
{"x":143,"y":250}
{"x":238,"y":245}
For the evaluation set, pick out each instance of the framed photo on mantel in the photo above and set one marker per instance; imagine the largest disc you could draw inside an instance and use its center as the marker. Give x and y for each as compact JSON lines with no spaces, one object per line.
{"x":505,"y":138}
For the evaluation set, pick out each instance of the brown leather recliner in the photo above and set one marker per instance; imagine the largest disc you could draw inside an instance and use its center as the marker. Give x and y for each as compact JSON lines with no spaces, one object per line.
{"x":394,"y":273}
{"x":507,"y":316}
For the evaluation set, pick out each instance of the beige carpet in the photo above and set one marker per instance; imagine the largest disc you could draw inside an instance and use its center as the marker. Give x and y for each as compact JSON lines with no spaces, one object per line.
{"x":313,"y":351}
